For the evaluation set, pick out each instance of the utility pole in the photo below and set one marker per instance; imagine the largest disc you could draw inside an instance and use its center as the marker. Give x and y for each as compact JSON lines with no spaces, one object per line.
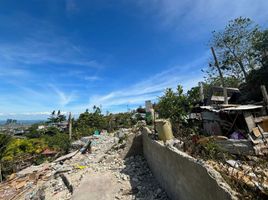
{"x":201,"y":92}
{"x":70,"y":125}
{"x":1,"y":179}
{"x":221,"y":76}
{"x":265,"y":95}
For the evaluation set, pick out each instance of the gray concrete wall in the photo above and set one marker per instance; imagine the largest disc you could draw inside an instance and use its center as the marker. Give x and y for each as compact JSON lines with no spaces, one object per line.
{"x":133,"y":146}
{"x":182,"y":176}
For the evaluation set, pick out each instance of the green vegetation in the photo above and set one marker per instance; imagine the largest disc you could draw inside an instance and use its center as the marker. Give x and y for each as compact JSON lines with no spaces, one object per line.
{"x":235,"y":48}
{"x":4,"y":141}
{"x":173,"y":105}
{"x":88,"y":122}
{"x":53,"y":136}
{"x":242,"y":52}
{"x":55,"y":118}
{"x":176,"y":106}
{"x":241,"y":47}
{"x":22,"y":147}
{"x":14,"y":151}
{"x":59,"y":142}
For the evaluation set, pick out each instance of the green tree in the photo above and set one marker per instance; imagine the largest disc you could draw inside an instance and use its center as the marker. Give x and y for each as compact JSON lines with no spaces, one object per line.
{"x":23,"y":147}
{"x":230,"y":81}
{"x":250,"y":91}
{"x":33,"y":131}
{"x":4,"y":142}
{"x":193,"y":95}
{"x":59,"y":142}
{"x":234,"y":47}
{"x":261,"y":45}
{"x":88,"y":122}
{"x":173,"y":105}
{"x":55,"y":118}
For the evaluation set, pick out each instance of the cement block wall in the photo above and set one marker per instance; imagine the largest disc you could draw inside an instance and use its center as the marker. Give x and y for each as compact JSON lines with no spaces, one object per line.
{"x":181,"y":175}
{"x":133,"y":146}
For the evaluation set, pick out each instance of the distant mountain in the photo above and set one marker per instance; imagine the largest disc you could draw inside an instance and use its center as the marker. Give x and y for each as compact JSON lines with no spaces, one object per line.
{"x":26,"y":122}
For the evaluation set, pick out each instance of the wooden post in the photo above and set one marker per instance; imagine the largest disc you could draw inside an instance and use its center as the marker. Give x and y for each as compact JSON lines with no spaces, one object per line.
{"x":264,"y":94}
{"x":1,"y":179}
{"x":70,"y":125}
{"x":201,"y":91}
{"x":221,"y":76}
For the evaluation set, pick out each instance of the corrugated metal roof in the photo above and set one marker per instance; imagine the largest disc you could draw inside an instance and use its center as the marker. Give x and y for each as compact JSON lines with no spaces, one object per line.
{"x":231,"y":107}
{"x":243,"y":107}
{"x":218,"y":98}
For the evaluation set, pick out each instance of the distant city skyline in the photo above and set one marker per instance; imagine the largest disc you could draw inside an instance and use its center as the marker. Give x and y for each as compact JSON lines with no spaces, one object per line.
{"x":72,"y":54}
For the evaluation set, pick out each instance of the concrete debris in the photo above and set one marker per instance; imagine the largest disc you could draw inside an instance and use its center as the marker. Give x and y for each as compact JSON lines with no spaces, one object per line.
{"x":253,"y":176}
{"x":64,"y":178}
{"x":86,"y":147}
{"x":233,"y":163}
{"x":132,"y":177}
{"x":66,"y":157}
{"x":122,"y":133}
{"x":67,"y":183}
{"x":241,"y":147}
{"x":123,"y":179}
{"x":56,"y":179}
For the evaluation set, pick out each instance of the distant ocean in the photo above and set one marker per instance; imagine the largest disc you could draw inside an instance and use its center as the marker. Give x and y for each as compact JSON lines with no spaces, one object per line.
{"x":26,"y":122}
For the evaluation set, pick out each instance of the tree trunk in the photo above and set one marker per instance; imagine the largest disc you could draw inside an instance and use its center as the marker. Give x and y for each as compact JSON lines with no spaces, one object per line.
{"x":1,"y":178}
{"x":221,"y":76}
{"x":70,"y":125}
{"x":243,"y":69}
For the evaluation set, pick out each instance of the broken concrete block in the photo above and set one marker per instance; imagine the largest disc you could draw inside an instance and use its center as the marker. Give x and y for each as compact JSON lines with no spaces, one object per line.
{"x":240,"y":147}
{"x":66,"y":181}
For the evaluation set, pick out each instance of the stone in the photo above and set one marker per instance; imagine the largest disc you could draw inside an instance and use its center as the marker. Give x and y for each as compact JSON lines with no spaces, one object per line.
{"x":159,"y":190}
{"x":135,"y":179}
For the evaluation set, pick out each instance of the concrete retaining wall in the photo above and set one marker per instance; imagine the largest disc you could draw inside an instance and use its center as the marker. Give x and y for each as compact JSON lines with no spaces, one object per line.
{"x":182,"y":176}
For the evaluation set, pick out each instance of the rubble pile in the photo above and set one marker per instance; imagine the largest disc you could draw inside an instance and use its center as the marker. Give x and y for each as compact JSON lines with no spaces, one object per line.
{"x":250,"y":178}
{"x":133,"y":175}
{"x":61,"y":178}
{"x":50,"y":180}
{"x":22,"y":182}
{"x":73,"y":170}
{"x":242,"y":169}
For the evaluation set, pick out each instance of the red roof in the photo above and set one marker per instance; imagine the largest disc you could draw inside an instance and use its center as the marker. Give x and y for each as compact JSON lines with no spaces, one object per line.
{"x":49,"y":152}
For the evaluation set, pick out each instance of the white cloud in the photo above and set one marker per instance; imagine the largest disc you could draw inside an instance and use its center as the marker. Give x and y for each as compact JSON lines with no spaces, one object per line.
{"x":195,"y":18}
{"x":12,"y":72}
{"x":40,"y":42}
{"x":26,"y":113}
{"x":92,"y":78}
{"x":64,"y":99}
{"x":35,"y":51}
{"x":36,"y":113}
{"x":71,"y":6}
{"x":152,"y":87}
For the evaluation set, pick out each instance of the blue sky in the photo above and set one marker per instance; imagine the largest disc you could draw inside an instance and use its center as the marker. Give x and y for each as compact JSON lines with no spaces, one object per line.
{"x":73,"y":54}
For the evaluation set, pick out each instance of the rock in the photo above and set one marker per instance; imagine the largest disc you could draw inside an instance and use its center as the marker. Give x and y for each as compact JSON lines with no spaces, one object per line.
{"x":132,"y":174}
{"x":159,"y":190}
{"x":135,"y":179}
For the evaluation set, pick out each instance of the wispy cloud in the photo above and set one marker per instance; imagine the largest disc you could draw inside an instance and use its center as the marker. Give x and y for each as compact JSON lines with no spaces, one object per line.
{"x":40,"y":42}
{"x":92,"y":78}
{"x":64,"y":99}
{"x":71,"y":6}
{"x":13,"y":72}
{"x":56,"y":50}
{"x":34,"y":66}
{"x":25,"y":115}
{"x":194,"y":18}
{"x":152,"y":87}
